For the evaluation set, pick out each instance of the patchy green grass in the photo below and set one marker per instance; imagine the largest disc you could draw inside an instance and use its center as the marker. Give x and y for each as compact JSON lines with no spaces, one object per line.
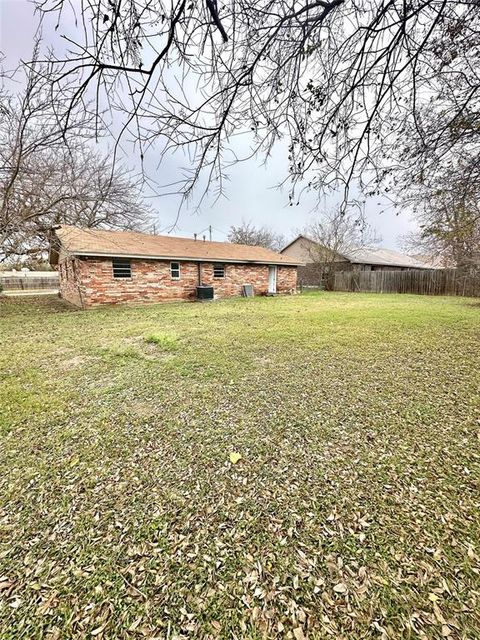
{"x":352,"y":513}
{"x":164,"y":341}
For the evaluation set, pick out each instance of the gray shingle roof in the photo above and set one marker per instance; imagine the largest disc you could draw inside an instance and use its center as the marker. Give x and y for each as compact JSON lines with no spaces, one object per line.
{"x":386,"y":257}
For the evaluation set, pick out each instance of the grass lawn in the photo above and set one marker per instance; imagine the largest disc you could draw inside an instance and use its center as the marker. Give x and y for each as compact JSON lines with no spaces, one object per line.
{"x":354,"y":511}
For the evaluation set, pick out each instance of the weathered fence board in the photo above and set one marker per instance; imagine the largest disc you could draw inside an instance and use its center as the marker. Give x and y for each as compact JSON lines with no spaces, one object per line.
{"x":439,"y":282}
{"x":26,"y":283}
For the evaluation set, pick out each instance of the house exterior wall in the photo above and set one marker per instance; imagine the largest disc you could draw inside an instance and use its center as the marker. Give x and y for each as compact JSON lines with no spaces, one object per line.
{"x":91,"y":281}
{"x":236,"y":275}
{"x":299,"y":249}
{"x":305,"y":250}
{"x":286,"y":279}
{"x":69,"y":277}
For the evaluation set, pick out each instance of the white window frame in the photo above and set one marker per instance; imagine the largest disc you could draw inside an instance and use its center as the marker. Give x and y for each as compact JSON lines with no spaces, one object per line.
{"x":172,"y":270}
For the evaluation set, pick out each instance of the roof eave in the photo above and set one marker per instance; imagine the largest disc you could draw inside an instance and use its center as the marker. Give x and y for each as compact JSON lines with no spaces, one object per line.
{"x":95,"y":254}
{"x":319,"y":244}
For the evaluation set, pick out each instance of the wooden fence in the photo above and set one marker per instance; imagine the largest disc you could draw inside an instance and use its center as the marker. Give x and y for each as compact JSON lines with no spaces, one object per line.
{"x":29,"y":283}
{"x":435,"y":282}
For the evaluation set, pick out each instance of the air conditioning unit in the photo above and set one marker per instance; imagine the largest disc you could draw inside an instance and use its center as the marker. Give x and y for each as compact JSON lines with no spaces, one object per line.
{"x":204,"y":292}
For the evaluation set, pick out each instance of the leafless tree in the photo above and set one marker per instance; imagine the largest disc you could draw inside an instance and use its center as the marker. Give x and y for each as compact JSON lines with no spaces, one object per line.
{"x":44,"y":181}
{"x":448,"y":213}
{"x":342,"y":80}
{"x":440,"y":177}
{"x":247,"y":233}
{"x":331,"y":238}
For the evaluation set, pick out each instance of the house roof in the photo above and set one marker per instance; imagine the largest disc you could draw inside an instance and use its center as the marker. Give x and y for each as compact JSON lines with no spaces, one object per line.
{"x":434,"y":261}
{"x":295,"y":240}
{"x":374,"y":256}
{"x":133,"y":244}
{"x":386,"y":257}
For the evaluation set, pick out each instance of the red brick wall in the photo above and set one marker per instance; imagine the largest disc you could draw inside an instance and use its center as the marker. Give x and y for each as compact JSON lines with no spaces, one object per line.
{"x":236,"y":275}
{"x":93,"y":283}
{"x":286,"y":279}
{"x":70,"y":276}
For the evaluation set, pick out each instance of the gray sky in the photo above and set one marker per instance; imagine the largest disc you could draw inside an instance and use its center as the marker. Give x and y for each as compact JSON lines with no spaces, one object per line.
{"x":251,"y":192}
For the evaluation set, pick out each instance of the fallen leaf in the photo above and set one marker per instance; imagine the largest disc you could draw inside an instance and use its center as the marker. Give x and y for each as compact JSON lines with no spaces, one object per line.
{"x":235,"y":457}
{"x":340,"y":588}
{"x":98,"y":630}
{"x":298,"y":633}
{"x":438,"y":613}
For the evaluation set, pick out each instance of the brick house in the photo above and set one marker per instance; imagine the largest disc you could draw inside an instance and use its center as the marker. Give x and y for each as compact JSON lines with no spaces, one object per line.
{"x":103,"y":267}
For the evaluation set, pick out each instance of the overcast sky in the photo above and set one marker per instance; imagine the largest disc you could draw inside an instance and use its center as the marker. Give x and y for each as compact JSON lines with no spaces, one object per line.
{"x":252,"y":192}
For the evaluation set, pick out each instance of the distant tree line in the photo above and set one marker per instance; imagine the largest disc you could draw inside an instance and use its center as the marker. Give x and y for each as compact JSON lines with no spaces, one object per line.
{"x":264,"y":236}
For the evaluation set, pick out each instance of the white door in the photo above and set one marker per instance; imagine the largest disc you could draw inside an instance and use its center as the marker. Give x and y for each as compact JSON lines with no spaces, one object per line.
{"x":272,"y":279}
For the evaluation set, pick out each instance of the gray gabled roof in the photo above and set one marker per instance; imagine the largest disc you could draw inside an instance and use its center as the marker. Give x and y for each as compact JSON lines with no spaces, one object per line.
{"x":385,"y":257}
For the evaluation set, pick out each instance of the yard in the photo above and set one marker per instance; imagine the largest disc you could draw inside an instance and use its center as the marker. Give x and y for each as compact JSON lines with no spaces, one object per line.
{"x":353,"y":512}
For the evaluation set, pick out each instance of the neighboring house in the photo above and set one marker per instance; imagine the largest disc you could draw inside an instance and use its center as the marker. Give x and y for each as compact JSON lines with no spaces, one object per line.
{"x":102,"y":267}
{"x":306,"y":250}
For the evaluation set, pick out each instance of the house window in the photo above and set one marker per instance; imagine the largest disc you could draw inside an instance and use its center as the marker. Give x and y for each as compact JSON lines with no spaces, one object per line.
{"x":218,"y":270}
{"x":175,"y":270}
{"x":122,"y":268}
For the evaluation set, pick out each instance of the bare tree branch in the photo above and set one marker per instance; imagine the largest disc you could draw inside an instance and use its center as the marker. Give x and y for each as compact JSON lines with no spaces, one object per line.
{"x":44,"y":181}
{"x":247,"y":233}
{"x":344,"y":81}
